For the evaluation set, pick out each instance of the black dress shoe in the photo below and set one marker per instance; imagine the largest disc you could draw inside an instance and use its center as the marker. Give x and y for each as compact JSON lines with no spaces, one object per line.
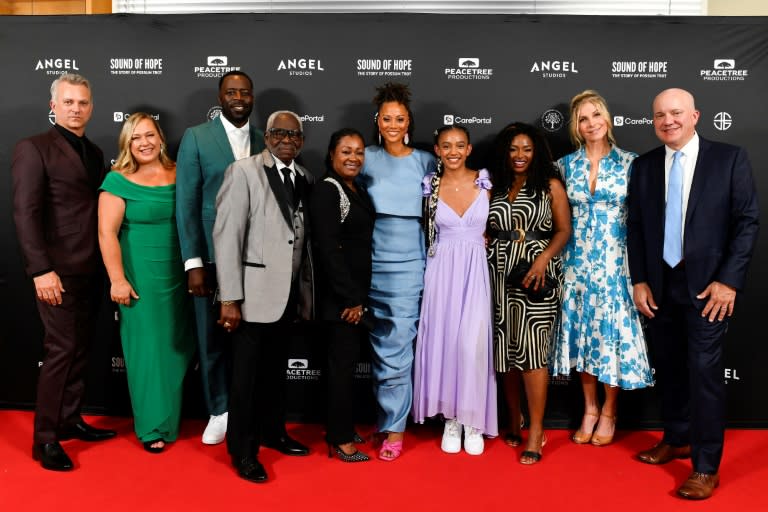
{"x":287,"y":445}
{"x":85,"y":432}
{"x":249,"y":468}
{"x":52,"y":456}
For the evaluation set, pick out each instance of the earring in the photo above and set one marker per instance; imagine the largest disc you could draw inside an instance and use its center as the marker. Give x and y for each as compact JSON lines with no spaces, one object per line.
{"x":379,"y":138}
{"x":376,"y":117}
{"x":406,"y":139}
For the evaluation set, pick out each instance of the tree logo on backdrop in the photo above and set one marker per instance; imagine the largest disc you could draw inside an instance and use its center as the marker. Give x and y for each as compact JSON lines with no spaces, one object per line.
{"x":724,"y":70}
{"x":300,"y":66}
{"x":451,"y":119}
{"x":468,"y":68}
{"x":554,"y":68}
{"x":213,"y":113}
{"x":56,"y":66}
{"x":723,"y":121}
{"x":136,"y":66}
{"x":552,"y":120}
{"x":639,"y":69}
{"x":215,"y":67}
{"x":631,"y":121}
{"x":384,"y":67}
{"x":298,"y":369}
{"x":51,"y":117}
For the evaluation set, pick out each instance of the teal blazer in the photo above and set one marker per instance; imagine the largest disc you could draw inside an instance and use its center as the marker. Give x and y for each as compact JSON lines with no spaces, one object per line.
{"x":203,"y":156}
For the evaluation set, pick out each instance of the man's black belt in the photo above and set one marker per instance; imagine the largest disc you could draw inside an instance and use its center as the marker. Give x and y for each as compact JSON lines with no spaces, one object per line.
{"x":518,"y":235}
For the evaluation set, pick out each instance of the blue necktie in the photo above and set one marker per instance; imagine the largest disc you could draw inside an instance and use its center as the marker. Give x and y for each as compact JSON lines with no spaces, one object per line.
{"x":673,"y":221}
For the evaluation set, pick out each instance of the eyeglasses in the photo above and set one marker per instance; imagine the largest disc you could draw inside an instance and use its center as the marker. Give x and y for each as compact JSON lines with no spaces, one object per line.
{"x":281,"y":133}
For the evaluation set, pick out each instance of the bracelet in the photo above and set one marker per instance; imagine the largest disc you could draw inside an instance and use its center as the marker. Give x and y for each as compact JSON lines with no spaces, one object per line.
{"x":228,"y":302}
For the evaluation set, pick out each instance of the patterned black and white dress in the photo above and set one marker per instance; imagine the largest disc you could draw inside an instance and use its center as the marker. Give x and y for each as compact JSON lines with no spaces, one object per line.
{"x":522,"y":328}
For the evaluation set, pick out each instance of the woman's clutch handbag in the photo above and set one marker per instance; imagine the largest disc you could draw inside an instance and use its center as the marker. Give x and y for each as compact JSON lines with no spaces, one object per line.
{"x":367,"y":320}
{"x":517,"y":274}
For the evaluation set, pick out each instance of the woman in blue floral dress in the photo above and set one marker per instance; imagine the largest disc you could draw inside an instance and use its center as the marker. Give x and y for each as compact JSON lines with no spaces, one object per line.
{"x":600,"y":332}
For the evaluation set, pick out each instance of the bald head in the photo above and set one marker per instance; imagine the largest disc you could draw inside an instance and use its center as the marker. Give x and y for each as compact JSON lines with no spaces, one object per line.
{"x":675,"y":117}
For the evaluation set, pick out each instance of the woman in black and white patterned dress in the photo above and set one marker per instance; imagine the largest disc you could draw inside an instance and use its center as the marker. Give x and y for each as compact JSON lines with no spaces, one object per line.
{"x":529,"y":220}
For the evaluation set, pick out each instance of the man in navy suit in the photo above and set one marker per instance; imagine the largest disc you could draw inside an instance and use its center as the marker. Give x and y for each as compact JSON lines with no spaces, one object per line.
{"x":692,"y":226}
{"x":205,"y":151}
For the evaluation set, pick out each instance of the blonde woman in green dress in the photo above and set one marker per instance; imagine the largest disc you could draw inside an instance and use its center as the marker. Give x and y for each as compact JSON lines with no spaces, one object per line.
{"x":140,"y":248}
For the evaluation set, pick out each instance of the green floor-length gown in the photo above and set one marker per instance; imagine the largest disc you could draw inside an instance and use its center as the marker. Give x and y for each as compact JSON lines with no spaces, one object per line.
{"x":158,"y":341}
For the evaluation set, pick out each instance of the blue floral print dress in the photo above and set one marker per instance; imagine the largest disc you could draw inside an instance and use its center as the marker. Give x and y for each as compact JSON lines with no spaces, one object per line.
{"x":600,"y":331}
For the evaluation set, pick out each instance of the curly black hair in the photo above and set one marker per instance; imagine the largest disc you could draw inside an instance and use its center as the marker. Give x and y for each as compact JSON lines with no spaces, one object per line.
{"x":393,"y":92}
{"x":541,"y":169}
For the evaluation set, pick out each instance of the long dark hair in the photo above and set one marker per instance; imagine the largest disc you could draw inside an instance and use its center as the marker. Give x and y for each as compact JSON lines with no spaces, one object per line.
{"x":395,"y":92}
{"x":540,"y":170}
{"x":334,"y":141}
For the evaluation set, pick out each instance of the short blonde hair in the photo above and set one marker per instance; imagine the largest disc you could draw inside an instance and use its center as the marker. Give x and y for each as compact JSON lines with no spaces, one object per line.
{"x":602,"y":106}
{"x":125,"y":162}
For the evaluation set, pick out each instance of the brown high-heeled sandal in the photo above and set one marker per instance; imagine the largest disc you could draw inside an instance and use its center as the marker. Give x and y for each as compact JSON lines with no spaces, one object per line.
{"x":599,"y":440}
{"x":581,"y":437}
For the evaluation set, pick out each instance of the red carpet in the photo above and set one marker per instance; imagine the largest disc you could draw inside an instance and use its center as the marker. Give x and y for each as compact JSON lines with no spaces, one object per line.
{"x":118,"y":475}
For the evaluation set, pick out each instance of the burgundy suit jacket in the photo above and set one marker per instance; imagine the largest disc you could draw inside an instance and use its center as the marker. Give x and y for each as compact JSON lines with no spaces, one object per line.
{"x":55,"y":202}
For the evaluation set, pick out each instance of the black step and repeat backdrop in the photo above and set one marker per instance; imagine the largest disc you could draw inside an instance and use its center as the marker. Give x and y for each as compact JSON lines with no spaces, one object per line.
{"x":480,"y":71}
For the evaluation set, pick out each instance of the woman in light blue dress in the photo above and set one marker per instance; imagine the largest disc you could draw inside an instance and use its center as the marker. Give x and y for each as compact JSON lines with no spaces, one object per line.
{"x":600,"y":331}
{"x":392,"y":174}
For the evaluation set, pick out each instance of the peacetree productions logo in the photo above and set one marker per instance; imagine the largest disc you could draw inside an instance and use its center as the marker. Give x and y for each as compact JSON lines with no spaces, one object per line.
{"x":723,"y":121}
{"x":384,"y":67}
{"x":724,"y":70}
{"x":554,"y":68}
{"x":450,"y":119}
{"x":468,"y":68}
{"x":639,"y":69}
{"x":631,"y":121}
{"x":300,"y":66}
{"x":136,"y":66}
{"x":298,"y":369}
{"x":552,"y":120}
{"x":56,"y":65}
{"x":215,"y":67}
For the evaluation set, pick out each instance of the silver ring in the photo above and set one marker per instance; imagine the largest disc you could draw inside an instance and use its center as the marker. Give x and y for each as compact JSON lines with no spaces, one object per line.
{"x":227,"y":324}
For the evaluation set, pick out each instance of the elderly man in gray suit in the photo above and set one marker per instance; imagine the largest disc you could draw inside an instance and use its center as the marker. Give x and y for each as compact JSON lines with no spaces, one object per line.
{"x":265,"y":282}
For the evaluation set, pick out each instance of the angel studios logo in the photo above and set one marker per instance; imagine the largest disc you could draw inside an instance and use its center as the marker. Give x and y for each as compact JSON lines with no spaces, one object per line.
{"x":554,"y":68}
{"x":56,"y":65}
{"x":300,"y":67}
{"x":299,"y":369}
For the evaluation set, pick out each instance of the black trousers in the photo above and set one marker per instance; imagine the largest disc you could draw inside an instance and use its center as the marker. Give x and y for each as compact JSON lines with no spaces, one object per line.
{"x":257,"y":390}
{"x":68,"y":332}
{"x":344,"y":347}
{"x":687,"y":353}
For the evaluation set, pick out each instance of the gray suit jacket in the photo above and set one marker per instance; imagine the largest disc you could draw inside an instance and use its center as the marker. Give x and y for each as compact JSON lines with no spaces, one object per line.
{"x":254,"y":237}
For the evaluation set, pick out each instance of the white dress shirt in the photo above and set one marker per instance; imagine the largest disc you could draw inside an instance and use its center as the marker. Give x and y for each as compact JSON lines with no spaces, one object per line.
{"x":239,"y":138}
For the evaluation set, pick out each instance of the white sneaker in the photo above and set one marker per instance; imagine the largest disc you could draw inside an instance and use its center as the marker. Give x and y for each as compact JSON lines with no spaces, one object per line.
{"x":473,"y":441}
{"x":216,"y":429}
{"x":451,"y":442}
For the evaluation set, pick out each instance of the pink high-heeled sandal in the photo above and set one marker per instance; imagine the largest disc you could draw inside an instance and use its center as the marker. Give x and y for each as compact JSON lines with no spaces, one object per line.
{"x":393,"y":447}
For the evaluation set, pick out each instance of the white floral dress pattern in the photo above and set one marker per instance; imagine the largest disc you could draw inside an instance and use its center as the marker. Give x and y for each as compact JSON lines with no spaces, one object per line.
{"x":600,"y":331}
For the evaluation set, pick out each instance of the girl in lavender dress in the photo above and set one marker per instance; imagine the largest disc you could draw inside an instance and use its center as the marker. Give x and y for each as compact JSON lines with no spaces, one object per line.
{"x":453,"y":366}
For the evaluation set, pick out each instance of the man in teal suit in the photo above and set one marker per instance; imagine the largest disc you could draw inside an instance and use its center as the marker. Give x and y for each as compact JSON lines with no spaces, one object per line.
{"x":205,"y":151}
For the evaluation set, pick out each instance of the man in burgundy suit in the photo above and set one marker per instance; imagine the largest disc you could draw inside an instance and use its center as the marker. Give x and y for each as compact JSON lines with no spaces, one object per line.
{"x":56,"y":176}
